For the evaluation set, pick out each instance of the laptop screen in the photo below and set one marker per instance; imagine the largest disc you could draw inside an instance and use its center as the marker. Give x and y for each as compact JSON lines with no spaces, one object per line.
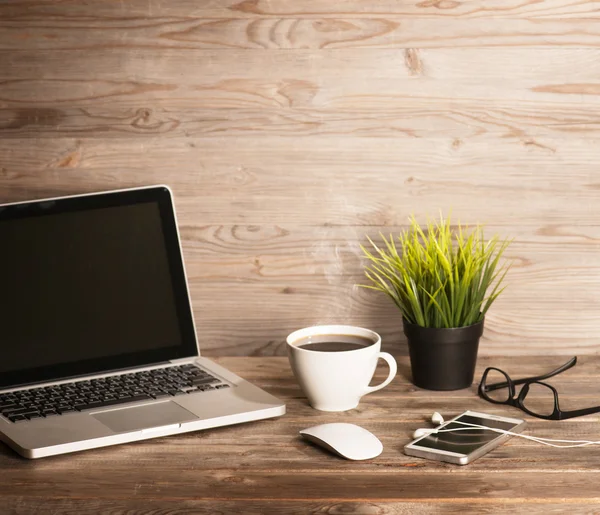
{"x":90,"y":284}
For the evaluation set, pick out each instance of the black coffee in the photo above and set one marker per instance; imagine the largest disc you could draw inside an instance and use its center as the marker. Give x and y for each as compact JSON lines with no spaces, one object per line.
{"x":333,"y":343}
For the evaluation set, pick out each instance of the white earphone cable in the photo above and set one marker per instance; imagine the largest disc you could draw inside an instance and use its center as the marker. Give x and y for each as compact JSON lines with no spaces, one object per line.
{"x":544,"y":441}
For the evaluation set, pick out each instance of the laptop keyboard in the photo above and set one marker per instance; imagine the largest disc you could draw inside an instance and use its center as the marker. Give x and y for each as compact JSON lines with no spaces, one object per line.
{"x":91,"y":394}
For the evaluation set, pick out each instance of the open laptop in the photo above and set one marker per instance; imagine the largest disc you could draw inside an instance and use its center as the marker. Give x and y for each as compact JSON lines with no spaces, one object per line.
{"x":97,"y":338}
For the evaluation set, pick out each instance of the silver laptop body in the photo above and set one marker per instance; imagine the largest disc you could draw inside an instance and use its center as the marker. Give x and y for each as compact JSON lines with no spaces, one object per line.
{"x":98,"y":344}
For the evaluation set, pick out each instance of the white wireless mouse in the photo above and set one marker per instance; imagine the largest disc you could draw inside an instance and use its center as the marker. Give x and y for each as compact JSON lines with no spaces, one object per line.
{"x":347,"y":440}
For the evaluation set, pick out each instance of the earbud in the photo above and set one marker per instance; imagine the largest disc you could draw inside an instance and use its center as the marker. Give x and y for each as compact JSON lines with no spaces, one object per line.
{"x":423,"y":432}
{"x":436,"y":418}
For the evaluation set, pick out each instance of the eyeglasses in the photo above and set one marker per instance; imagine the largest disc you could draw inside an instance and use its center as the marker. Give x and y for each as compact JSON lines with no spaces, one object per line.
{"x":535,"y":398}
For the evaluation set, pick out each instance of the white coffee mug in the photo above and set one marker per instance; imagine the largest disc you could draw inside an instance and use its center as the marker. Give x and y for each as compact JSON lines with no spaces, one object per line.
{"x":334,"y":380}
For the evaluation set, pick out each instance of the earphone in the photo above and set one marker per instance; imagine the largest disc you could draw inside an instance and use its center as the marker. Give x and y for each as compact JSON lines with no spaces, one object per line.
{"x":436,"y":418}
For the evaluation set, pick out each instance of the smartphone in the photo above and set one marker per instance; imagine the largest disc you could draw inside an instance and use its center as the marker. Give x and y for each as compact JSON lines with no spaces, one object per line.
{"x":465,"y":446}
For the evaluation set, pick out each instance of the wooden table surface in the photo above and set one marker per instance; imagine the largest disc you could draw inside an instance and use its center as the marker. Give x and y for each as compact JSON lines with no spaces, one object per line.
{"x":264,"y":467}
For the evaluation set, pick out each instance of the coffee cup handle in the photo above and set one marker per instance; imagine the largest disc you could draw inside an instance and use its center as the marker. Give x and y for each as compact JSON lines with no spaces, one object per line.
{"x":393,"y":369}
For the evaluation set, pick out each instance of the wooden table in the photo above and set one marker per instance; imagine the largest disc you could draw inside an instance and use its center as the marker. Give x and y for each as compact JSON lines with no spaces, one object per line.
{"x":264,"y":467}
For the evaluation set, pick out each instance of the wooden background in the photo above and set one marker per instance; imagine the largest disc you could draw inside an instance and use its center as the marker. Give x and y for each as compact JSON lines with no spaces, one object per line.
{"x":290,"y":129}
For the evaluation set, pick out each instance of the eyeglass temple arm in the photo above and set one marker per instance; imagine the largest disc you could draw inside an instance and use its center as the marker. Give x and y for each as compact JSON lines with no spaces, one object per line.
{"x":496,"y":386}
{"x":579,"y":412}
{"x":571,"y":363}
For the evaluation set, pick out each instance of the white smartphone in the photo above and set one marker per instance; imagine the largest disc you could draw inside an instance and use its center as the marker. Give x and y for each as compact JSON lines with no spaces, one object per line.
{"x":463,"y":447}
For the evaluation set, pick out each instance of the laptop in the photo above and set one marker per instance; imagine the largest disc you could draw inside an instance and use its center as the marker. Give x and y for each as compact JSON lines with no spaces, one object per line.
{"x":97,"y":337}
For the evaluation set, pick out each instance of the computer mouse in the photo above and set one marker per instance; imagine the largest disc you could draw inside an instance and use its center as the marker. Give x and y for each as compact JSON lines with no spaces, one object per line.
{"x":346,"y":440}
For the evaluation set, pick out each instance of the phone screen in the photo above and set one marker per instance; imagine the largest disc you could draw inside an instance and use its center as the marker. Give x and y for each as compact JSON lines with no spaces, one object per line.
{"x":467,"y":440}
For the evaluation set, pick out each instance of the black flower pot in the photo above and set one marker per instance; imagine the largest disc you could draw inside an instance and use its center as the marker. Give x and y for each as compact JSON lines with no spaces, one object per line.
{"x":443,"y":359}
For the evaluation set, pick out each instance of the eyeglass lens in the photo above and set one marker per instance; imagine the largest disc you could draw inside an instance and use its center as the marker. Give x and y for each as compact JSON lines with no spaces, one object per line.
{"x":539,"y":399}
{"x":496,"y":377}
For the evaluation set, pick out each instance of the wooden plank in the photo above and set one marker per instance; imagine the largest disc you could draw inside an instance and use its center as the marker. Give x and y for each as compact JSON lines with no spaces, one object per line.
{"x":65,"y":31}
{"x":374,"y":181}
{"x":303,"y":78}
{"x":302,"y":457}
{"x":409,"y":118}
{"x":31,"y":505}
{"x":247,"y":252}
{"x":448,"y":9}
{"x":503,"y":64}
{"x":261,"y":485}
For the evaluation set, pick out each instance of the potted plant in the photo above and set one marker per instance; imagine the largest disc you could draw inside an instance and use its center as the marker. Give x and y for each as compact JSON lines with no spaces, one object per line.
{"x":443,"y":279}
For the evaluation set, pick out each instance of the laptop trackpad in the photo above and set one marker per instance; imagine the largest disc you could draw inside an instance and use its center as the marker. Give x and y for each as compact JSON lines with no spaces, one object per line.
{"x":143,"y":417}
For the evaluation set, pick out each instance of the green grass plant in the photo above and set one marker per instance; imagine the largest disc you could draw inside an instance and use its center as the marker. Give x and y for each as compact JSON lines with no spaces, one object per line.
{"x":438,"y":277}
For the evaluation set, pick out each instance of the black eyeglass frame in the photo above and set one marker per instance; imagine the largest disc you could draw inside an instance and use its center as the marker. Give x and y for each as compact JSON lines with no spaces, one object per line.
{"x":517,"y":401}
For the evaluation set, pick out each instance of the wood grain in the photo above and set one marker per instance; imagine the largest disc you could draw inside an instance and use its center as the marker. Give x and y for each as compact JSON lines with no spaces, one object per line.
{"x":409,"y":118}
{"x":76,"y":33}
{"x":450,"y":9}
{"x":325,"y":181}
{"x":85,"y":507}
{"x":276,"y":78}
{"x":264,"y":467}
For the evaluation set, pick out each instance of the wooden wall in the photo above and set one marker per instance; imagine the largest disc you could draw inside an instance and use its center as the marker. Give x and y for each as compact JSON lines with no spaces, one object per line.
{"x":290,"y":129}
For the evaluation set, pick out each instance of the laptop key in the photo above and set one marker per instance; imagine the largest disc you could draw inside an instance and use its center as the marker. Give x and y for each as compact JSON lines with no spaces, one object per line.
{"x":17,"y":418}
{"x":21,"y":411}
{"x":204,"y":380}
{"x":205,"y":387}
{"x":31,"y":416}
{"x":9,"y":407}
{"x":189,"y":389}
{"x":159,"y":395}
{"x":102,"y":404}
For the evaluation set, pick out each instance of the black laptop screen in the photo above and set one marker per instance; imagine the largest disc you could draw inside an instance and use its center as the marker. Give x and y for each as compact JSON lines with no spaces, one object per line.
{"x":90,"y":284}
